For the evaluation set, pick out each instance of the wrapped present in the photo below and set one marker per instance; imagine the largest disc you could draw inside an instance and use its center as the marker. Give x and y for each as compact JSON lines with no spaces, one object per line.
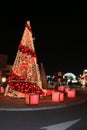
{"x":32,"y":98}
{"x":57,"y":96}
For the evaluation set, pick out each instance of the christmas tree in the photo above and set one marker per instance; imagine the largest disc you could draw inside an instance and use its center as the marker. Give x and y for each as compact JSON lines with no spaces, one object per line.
{"x":25,"y":75}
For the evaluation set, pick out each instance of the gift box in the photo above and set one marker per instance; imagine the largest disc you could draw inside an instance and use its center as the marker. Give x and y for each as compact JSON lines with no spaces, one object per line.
{"x":61,"y":88}
{"x":2,"y":90}
{"x":32,"y":98}
{"x":71,"y":94}
{"x":57,"y":96}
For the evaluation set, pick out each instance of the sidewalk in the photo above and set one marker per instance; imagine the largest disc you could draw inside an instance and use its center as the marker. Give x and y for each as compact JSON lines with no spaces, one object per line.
{"x":8,"y":103}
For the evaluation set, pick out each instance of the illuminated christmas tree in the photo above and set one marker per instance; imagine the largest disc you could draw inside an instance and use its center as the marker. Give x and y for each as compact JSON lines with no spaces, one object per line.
{"x":25,"y":74}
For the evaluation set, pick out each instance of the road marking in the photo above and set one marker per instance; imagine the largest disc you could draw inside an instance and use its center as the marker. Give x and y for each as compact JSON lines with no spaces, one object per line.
{"x":61,"y":126}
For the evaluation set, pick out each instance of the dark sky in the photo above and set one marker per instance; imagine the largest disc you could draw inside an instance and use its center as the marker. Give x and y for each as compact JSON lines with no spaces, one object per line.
{"x":60,"y":31}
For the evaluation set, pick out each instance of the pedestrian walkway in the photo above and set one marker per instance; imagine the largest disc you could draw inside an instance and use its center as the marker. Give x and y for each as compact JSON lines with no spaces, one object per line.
{"x":8,"y":103}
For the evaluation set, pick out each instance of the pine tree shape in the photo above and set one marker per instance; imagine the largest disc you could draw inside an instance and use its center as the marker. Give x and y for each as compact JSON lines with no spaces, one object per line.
{"x":43,"y":77}
{"x":25,"y":74}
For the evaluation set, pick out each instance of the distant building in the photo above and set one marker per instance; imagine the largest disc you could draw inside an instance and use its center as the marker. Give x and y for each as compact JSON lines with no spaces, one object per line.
{"x":4,"y":67}
{"x":3,"y":60}
{"x":83,"y":78}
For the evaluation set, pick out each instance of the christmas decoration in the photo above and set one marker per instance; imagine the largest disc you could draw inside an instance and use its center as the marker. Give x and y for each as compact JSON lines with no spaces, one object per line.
{"x":2,"y":90}
{"x":57,"y":97}
{"x":25,"y":75}
{"x":71,"y":93}
{"x":32,"y":99}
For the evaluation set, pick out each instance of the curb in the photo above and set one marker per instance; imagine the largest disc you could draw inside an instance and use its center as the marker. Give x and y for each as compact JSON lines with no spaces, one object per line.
{"x":42,"y":108}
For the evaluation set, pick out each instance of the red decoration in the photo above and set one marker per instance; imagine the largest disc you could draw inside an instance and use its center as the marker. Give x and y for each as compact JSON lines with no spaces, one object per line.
{"x":2,"y":90}
{"x":71,"y":93}
{"x":61,"y":88}
{"x":28,"y":27}
{"x":67,"y":89}
{"x":21,"y":84}
{"x":32,"y":99}
{"x":57,"y":97}
{"x":26,"y":50}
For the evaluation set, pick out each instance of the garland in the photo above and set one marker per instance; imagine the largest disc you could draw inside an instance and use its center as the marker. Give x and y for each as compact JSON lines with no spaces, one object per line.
{"x":20,"y":84}
{"x":27,"y":50}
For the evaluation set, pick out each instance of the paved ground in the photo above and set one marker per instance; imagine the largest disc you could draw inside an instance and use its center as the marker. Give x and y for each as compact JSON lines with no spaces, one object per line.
{"x":45,"y":103}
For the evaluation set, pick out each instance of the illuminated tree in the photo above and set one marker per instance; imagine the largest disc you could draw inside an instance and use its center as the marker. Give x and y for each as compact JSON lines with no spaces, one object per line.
{"x":25,"y":74}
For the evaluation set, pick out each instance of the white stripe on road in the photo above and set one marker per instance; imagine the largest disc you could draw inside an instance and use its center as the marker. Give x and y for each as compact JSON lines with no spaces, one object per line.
{"x":61,"y":126}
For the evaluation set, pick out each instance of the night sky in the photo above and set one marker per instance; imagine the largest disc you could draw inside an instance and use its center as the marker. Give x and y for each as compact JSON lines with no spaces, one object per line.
{"x":59,"y":29}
